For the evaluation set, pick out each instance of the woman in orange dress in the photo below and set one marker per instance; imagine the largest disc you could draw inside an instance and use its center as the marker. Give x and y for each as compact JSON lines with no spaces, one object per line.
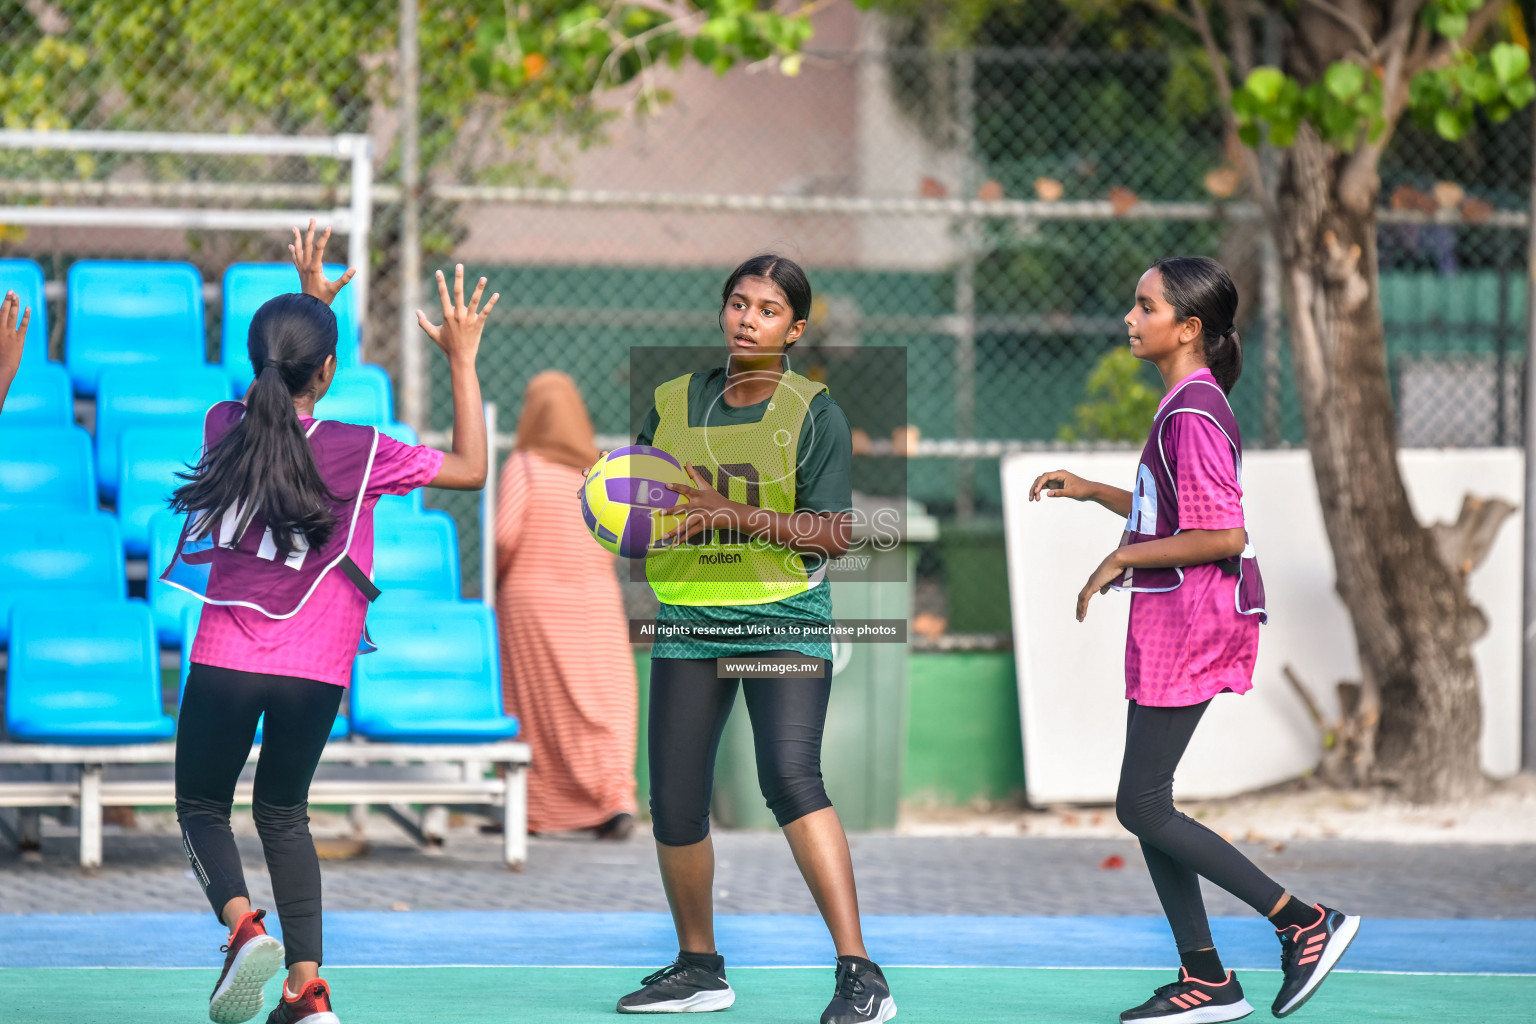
{"x":567,"y":671}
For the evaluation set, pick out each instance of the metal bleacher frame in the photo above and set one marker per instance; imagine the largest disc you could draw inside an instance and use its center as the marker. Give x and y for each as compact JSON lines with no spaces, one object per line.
{"x":507,"y":788}
{"x":353,"y":220}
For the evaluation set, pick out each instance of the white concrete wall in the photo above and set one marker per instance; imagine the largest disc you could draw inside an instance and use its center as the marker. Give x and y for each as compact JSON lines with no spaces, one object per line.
{"x":1071,"y":675}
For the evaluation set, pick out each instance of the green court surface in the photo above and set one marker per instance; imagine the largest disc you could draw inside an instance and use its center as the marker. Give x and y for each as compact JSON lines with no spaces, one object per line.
{"x":943,"y":995}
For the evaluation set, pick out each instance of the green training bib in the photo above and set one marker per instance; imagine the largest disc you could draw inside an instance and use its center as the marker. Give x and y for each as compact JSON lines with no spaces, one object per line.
{"x":753,"y":463}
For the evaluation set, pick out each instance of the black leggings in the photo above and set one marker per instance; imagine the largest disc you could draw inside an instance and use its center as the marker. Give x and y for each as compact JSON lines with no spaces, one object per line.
{"x":689,"y":708}
{"x":1178,"y":849}
{"x":213,"y":740}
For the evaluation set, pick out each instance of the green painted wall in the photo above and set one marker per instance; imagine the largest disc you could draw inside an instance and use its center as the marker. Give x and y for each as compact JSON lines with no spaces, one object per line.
{"x":963,"y":738}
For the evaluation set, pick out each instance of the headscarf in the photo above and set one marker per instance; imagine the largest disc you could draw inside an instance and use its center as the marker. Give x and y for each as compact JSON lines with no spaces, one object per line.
{"x":554,"y":423}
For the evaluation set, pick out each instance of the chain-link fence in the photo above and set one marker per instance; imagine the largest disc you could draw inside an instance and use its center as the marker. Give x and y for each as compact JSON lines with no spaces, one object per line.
{"x":988,"y":211}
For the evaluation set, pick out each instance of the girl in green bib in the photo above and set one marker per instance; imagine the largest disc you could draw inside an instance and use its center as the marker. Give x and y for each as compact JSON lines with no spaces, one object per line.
{"x":769,"y":454}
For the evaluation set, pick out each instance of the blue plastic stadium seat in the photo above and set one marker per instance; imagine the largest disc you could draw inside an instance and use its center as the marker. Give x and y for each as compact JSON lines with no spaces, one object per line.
{"x":167,"y":604}
{"x":359,"y":394}
{"x":46,"y":469}
{"x":190,"y":617}
{"x":58,"y":559}
{"x":417,"y":553}
{"x":40,"y":395}
{"x":436,"y":677}
{"x":141,"y":396}
{"x":399,"y":504}
{"x":148,"y":460}
{"x":248,"y":285}
{"x":90,"y":677}
{"x":123,"y":313}
{"x":25,"y":278}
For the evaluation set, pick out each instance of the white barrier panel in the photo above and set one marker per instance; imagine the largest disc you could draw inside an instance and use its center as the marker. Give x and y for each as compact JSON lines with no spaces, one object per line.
{"x":1071,"y":675}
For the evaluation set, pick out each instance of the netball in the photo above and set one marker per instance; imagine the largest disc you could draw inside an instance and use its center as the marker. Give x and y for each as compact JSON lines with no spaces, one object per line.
{"x":626,"y":495}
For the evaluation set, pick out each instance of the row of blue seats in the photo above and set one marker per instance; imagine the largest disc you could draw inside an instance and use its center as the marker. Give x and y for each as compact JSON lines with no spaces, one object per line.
{"x":92,"y":676}
{"x":149,"y":428}
{"x":57,"y":559}
{"x":121,"y":313}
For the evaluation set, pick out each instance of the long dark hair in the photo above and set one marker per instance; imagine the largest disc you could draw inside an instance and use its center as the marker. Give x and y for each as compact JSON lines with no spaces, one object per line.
{"x":264,"y":462}
{"x":1199,"y":286}
{"x":782,"y":271}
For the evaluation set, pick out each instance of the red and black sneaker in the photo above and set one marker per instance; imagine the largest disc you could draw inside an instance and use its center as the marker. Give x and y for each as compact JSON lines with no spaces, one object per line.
{"x":1192,"y":1001}
{"x":311,"y":1006}
{"x":1308,"y":954}
{"x":251,"y":958}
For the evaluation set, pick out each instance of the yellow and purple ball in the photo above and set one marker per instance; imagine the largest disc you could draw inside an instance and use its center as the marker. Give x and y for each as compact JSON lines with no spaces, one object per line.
{"x":626,"y":502}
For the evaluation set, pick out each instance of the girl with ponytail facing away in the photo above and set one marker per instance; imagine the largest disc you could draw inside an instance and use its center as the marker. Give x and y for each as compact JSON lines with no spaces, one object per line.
{"x":278,"y":544}
{"x":1197,"y":601}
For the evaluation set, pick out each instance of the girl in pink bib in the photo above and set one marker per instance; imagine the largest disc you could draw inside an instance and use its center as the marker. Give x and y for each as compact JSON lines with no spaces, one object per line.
{"x":1197,"y":600}
{"x":278,"y":542}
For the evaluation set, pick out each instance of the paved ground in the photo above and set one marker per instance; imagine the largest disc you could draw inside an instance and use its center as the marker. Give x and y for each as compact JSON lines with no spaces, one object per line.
{"x":897,"y":875}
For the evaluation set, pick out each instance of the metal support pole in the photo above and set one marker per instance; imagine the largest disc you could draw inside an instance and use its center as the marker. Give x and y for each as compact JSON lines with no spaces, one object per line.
{"x":1269,"y":264}
{"x":413,"y":376}
{"x":1269,"y":313}
{"x":1528,"y":662}
{"x":362,"y":222}
{"x":965,"y":281}
{"x":90,"y":817}
{"x":514,"y":843}
{"x":488,"y":512}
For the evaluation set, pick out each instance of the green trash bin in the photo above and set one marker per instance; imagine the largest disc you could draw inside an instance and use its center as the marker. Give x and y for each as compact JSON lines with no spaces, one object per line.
{"x":862,"y":747}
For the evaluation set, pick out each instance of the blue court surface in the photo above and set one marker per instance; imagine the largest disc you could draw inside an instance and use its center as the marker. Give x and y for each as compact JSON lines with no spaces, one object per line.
{"x":518,"y":966}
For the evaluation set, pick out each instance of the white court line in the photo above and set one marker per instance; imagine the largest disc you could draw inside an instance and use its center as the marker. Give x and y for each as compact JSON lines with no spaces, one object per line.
{"x":783,"y":967}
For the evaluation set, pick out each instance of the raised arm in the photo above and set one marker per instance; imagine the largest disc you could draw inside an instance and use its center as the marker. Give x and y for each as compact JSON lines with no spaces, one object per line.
{"x":464,"y":468}
{"x":1059,"y":483}
{"x":13,"y":336}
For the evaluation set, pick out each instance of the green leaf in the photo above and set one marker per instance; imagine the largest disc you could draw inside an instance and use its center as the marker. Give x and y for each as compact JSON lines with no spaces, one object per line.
{"x":1344,"y":79}
{"x":1249,"y":134}
{"x":1265,"y":83}
{"x":1449,"y":124}
{"x":1521,"y":93}
{"x":1451,"y":24}
{"x":1510,"y":62}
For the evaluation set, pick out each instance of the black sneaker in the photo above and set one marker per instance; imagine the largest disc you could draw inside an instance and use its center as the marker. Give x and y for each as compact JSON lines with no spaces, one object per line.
{"x":683,"y":987}
{"x":1192,"y":1001}
{"x":1308,"y":954}
{"x":862,"y":996}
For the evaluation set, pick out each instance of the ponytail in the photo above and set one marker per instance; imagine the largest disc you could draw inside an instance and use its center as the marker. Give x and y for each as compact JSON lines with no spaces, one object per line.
{"x":1197,"y":286}
{"x":264,"y":462}
{"x":1224,"y":356}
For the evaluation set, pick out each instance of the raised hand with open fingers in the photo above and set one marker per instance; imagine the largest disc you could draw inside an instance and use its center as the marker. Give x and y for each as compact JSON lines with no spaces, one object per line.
{"x":459,"y":333}
{"x":13,"y":335}
{"x":309,"y":257}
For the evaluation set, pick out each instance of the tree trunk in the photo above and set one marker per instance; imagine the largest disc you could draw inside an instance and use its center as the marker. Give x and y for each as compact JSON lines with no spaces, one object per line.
{"x":1410,"y":613}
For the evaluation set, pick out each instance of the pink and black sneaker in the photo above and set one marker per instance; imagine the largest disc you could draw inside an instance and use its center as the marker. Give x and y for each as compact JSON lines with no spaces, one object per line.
{"x":1192,"y":1001}
{"x":251,"y":958}
{"x":311,"y":1006}
{"x":1308,"y":954}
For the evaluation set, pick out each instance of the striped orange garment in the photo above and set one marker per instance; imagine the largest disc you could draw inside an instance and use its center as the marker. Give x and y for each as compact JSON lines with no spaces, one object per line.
{"x":567,"y":672}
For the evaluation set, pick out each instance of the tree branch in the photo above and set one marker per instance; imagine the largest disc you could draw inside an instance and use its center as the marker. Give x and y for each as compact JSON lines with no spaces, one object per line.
{"x":1240,"y":37}
{"x":1360,"y":178}
{"x":1481,"y":21}
{"x":1338,"y":14}
{"x":1201,"y":22}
